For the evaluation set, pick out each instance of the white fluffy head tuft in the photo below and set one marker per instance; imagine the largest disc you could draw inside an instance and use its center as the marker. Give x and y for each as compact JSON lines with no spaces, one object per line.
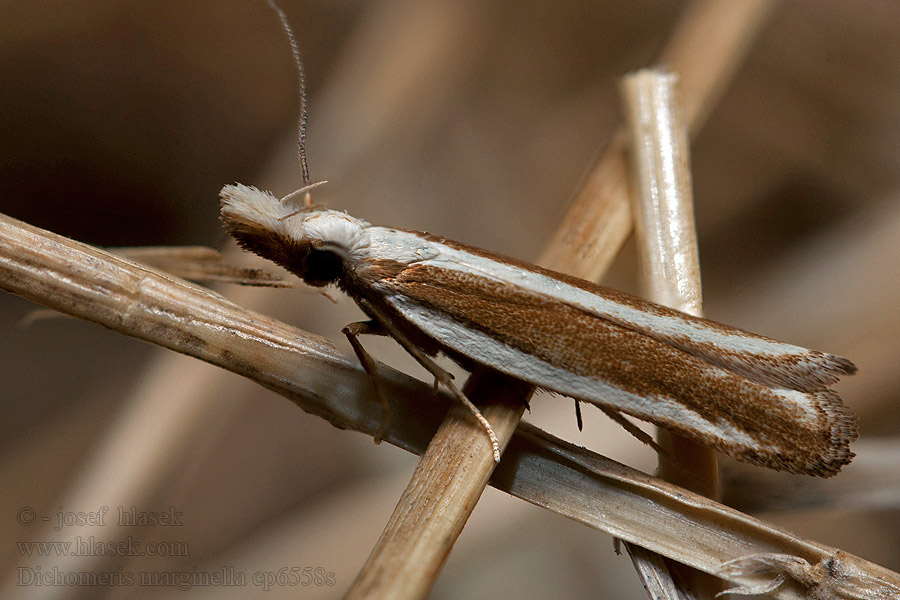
{"x":245,"y":203}
{"x":261,"y":222}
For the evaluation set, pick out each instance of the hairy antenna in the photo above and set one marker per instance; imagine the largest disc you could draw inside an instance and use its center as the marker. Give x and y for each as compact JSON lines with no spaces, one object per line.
{"x":301,"y":77}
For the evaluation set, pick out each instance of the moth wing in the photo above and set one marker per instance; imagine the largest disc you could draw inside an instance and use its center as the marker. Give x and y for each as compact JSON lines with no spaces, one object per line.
{"x":756,"y":357}
{"x":564,"y":347}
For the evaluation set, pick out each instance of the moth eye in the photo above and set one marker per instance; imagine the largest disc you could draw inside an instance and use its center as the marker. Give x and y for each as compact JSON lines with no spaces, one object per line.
{"x":322,"y":267}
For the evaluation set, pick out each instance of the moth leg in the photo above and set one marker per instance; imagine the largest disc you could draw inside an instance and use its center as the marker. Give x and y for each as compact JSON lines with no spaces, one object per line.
{"x":642,"y":437}
{"x":441,"y":376}
{"x":446,"y":379}
{"x":369,"y":365}
{"x":631,"y":428}
{"x":578,"y":418}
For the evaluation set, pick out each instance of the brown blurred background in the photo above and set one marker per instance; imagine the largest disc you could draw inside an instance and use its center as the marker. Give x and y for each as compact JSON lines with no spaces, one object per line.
{"x":120,"y":122}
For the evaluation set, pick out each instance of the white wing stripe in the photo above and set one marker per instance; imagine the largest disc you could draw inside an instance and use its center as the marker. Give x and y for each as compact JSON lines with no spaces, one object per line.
{"x":410,"y":248}
{"x":481,"y":347}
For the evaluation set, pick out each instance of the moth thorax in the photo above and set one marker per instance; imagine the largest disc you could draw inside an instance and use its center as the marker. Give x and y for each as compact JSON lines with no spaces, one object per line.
{"x":327,"y":240}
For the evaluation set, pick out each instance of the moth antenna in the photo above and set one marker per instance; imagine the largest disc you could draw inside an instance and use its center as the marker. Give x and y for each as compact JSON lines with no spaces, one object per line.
{"x":328,"y":296}
{"x":307,"y":203}
{"x":301,"y":78}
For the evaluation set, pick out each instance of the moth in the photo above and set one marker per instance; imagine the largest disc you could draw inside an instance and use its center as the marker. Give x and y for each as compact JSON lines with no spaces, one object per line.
{"x":754,"y":398}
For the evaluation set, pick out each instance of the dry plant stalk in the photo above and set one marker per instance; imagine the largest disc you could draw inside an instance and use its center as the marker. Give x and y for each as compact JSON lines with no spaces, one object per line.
{"x":416,"y":541}
{"x":391,"y":569}
{"x":141,"y":302}
{"x":705,"y":50}
{"x":654,"y":574}
{"x":199,"y":263}
{"x":662,"y":204}
{"x":439,"y":498}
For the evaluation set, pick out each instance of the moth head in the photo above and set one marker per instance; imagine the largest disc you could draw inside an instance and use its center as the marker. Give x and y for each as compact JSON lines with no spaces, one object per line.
{"x":314,"y":244}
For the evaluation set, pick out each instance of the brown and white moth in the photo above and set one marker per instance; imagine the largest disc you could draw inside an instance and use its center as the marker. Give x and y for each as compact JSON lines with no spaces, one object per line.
{"x":751,"y":397}
{"x":754,"y":398}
